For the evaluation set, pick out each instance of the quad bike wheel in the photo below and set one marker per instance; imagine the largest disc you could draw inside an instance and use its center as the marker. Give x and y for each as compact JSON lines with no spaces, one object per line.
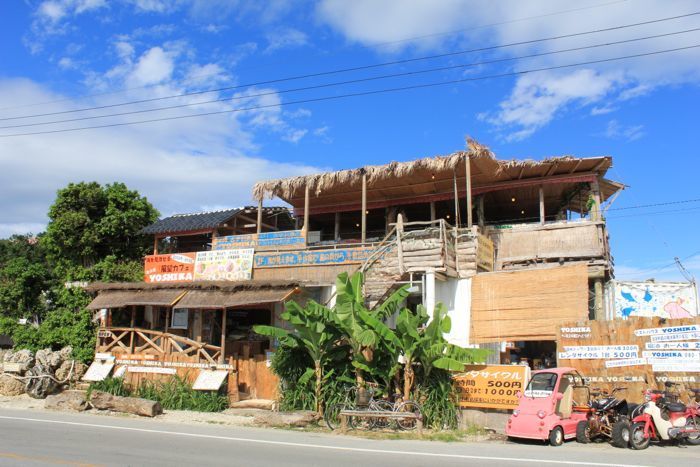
{"x":621,"y":433}
{"x":583,"y":432}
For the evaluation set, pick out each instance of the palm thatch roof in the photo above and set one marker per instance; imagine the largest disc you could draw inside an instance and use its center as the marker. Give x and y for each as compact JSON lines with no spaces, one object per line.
{"x":227,"y":286}
{"x":422,"y":177}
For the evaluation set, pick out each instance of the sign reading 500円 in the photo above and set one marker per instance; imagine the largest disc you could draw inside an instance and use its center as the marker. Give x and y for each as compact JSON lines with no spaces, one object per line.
{"x":491,"y":386}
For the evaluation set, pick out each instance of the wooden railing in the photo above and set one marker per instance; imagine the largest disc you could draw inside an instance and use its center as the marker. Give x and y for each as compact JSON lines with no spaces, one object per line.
{"x":137,"y":340}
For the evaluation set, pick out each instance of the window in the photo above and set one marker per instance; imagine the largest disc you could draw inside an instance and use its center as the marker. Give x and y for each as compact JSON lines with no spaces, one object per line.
{"x":180,"y":318}
{"x":541,"y":385}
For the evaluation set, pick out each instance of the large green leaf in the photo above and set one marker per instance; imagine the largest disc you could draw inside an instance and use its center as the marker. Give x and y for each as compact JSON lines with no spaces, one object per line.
{"x":447,"y":363}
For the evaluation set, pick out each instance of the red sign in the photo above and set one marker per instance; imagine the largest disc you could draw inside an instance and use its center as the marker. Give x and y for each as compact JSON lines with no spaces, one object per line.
{"x":176,"y":267}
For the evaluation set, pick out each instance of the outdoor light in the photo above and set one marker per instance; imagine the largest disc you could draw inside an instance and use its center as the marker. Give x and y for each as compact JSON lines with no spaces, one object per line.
{"x":522,"y":212}
{"x":513,"y":199}
{"x":366,"y":212}
{"x":432,"y":176}
{"x":447,"y":216}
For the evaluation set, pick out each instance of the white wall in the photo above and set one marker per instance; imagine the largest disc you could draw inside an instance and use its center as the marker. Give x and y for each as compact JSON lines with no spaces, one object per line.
{"x":456,"y":294}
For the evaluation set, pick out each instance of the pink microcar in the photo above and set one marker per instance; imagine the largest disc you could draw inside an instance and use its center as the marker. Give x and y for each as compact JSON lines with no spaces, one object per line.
{"x":546,"y":408}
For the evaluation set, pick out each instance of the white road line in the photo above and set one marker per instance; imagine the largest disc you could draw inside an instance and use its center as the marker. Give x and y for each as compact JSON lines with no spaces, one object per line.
{"x":316,"y":446}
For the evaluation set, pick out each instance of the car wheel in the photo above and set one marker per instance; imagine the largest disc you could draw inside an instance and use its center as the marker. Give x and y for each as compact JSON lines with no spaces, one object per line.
{"x":556,"y":436}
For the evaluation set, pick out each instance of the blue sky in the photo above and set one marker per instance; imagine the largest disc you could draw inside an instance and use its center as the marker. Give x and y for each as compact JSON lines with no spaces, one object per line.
{"x":62,"y":55}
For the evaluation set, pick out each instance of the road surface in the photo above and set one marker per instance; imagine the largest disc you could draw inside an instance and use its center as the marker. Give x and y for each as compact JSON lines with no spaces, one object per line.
{"x":35,"y":438}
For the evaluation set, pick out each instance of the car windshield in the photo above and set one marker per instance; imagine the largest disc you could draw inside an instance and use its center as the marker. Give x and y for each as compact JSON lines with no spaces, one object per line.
{"x":541,"y":385}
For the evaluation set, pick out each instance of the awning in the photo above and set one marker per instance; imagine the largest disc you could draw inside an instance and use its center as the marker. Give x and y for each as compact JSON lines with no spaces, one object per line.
{"x":122,"y":298}
{"x":228,"y":299}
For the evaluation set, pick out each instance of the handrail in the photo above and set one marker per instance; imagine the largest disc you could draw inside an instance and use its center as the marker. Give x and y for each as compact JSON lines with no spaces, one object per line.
{"x":185,"y":340}
{"x":379,"y":247}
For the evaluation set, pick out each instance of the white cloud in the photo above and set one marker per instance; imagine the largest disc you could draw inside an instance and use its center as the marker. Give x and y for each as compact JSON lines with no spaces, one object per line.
{"x":615,"y":130}
{"x":53,"y":11}
{"x":154,"y":66}
{"x":285,"y":38}
{"x":536,"y":99}
{"x":399,"y":25}
{"x":180,"y":165}
{"x":156,"y":6}
{"x":659,"y":271}
{"x":67,"y":63}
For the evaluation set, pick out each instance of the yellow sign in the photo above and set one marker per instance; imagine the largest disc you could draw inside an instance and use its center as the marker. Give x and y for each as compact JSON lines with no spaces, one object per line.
{"x":491,"y":386}
{"x":484,"y":253}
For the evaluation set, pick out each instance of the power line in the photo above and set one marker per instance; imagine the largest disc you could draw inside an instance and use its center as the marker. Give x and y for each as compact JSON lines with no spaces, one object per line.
{"x":357,"y":94}
{"x":695,"y":200}
{"x":358,"y":68}
{"x":354,"y":81}
{"x":204,"y":75}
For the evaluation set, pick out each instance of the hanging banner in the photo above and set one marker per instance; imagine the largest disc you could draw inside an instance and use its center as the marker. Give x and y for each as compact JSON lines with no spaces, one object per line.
{"x":670,"y":300}
{"x":312,"y":258}
{"x":491,"y":386}
{"x":224,"y":265}
{"x":176,"y":267}
{"x":284,"y":240}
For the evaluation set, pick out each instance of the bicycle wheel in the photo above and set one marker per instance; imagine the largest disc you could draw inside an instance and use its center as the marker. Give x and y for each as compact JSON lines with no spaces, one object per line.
{"x":359,"y":422}
{"x":332,"y":415}
{"x":381,"y":406}
{"x":408,"y":407}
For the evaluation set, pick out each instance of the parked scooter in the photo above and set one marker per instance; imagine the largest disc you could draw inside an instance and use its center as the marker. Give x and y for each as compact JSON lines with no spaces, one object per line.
{"x":608,"y":417}
{"x":662,"y":418}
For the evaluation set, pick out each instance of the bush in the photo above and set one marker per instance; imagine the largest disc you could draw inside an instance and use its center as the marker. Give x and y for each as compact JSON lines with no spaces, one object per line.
{"x":114,"y":386}
{"x":438,"y":401}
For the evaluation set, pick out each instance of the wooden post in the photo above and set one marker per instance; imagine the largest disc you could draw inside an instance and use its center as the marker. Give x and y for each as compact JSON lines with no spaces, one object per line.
{"x":598,"y":299}
{"x":306,"y":214}
{"x":223,"y":336}
{"x":454,"y":179}
{"x":542,"y":216}
{"x":432,"y":212}
{"x":166,"y":343}
{"x":260,"y":213}
{"x":468,"y":174}
{"x":336,"y":227}
{"x":155,"y":245}
{"x":364,"y":206}
{"x":399,"y":242}
{"x":480,"y":212}
{"x":198,"y":325}
{"x":595,"y":209}
{"x":133,"y":322}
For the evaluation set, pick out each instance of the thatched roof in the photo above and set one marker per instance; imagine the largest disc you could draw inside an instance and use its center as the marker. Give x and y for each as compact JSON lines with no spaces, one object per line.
{"x":432,"y":175}
{"x":227,"y":286}
{"x":201,"y":294}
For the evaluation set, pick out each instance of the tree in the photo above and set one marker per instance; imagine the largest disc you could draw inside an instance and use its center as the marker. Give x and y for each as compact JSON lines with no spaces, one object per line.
{"x":313,"y":332}
{"x":89,"y":223}
{"x":22,"y":285}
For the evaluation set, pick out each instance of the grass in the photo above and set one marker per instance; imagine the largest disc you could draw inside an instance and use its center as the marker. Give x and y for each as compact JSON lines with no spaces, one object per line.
{"x":173,"y":394}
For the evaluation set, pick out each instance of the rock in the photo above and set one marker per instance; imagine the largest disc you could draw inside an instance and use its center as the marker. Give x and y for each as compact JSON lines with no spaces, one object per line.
{"x":48,"y":359}
{"x":21,"y":356}
{"x":66,"y":353}
{"x":63,"y":371}
{"x":67,"y":400}
{"x":40,"y":382}
{"x":264,"y":404}
{"x":10,"y":386}
{"x":288,"y":419}
{"x":134,"y":405}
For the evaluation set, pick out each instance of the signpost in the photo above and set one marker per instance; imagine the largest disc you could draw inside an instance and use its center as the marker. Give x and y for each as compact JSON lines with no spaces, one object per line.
{"x":491,"y":386}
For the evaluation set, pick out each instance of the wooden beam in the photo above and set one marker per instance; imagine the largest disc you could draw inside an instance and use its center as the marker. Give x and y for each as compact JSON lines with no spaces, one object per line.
{"x":223,"y":336}
{"x":551,"y":169}
{"x":260,"y":214}
{"x":364,"y":207}
{"x":336,"y":227}
{"x":432,"y":211}
{"x":456,"y":196}
{"x":155,"y":244}
{"x":476,"y":189}
{"x":254,"y":221}
{"x":133,"y":322}
{"x":542,"y":215}
{"x":595,"y":209}
{"x":468,"y":183}
{"x":598,"y":299}
{"x":306,"y":214}
{"x":578,"y":163}
{"x":480,"y":211}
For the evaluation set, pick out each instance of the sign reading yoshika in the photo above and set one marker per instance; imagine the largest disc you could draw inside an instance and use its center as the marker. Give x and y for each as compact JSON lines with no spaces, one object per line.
{"x":491,"y":386}
{"x":169,"y":268}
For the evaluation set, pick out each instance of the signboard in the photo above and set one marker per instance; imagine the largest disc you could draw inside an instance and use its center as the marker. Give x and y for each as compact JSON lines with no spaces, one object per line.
{"x":484,"y":253}
{"x":491,"y":386}
{"x":98,"y":370}
{"x":284,"y":240}
{"x":670,"y":300}
{"x":158,"y":363}
{"x":151,"y":369}
{"x":599,"y":351}
{"x":180,"y":318}
{"x":177,"y":267}
{"x":224,"y":265}
{"x":673,"y":345}
{"x":625,"y":362}
{"x":682,"y":336}
{"x":668,"y":330}
{"x":581,"y":332}
{"x":210,"y":380}
{"x":312,"y":258}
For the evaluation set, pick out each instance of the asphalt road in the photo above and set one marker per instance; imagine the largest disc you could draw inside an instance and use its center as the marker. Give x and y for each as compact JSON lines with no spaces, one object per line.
{"x":33,"y":438}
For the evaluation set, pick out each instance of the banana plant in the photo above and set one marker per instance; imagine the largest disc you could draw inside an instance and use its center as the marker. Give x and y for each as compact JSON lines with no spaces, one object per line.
{"x":363,"y":329}
{"x":312,"y":331}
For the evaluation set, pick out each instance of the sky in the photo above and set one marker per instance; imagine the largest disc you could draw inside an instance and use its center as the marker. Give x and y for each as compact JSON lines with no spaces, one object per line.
{"x":59,"y":56}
